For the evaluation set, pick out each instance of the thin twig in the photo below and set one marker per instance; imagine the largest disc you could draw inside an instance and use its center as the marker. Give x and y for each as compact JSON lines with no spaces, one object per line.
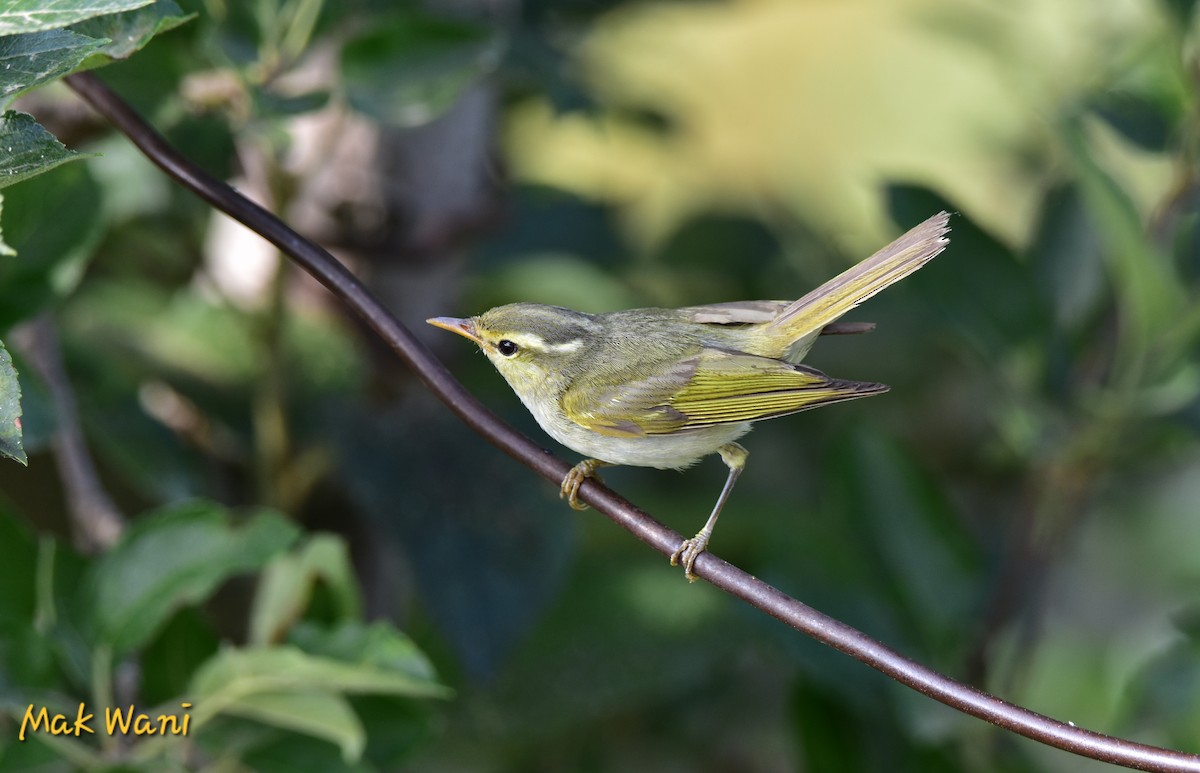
{"x":95,"y":521}
{"x":326,"y":269}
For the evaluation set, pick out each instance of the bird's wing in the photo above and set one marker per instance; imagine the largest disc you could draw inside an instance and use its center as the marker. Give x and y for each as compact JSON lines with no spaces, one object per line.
{"x":712,"y":387}
{"x":753,"y":312}
{"x":735,"y":312}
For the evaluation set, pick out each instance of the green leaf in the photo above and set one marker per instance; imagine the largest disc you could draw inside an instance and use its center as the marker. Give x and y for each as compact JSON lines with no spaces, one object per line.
{"x":377,"y":644}
{"x":175,"y":557}
{"x":410,"y":71}
{"x":170,"y":660}
{"x":128,"y":32}
{"x":235,"y":673}
{"x":187,"y":333}
{"x":28,"y":150}
{"x":287,"y":688}
{"x":54,"y":250}
{"x":316,"y":713}
{"x":10,"y":409}
{"x":60,"y":573}
{"x":46,"y":752}
{"x":5,"y":250}
{"x":287,"y":584}
{"x":30,"y":60}
{"x":1147,"y":290}
{"x":17,"y":16}
{"x":292,"y":753}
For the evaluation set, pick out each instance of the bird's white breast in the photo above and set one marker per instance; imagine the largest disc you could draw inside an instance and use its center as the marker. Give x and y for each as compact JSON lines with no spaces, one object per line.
{"x":673,"y":451}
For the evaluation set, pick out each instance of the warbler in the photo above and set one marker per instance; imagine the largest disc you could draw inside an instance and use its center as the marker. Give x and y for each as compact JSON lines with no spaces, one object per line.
{"x":666,"y":387}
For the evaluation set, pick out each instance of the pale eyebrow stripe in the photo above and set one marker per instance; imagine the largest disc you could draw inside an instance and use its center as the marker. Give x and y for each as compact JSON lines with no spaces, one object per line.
{"x":528,"y":340}
{"x":536,"y":342}
{"x":574,"y":345}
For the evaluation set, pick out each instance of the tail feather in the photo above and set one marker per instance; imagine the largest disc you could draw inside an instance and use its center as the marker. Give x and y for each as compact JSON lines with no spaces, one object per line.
{"x":839,"y":295}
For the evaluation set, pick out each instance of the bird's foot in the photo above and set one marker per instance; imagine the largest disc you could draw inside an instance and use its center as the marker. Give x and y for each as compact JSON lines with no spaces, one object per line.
{"x":575,"y":478}
{"x":689,"y":550}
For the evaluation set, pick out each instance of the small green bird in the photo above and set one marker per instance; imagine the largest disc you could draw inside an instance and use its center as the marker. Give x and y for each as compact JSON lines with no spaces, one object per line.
{"x":666,"y":387}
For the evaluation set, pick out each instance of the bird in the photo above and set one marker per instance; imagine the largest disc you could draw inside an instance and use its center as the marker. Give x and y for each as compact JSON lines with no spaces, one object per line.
{"x":664,"y":388}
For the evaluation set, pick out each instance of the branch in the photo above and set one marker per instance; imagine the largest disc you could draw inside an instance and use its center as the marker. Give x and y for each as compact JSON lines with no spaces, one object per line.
{"x":95,"y":521}
{"x":326,"y":269}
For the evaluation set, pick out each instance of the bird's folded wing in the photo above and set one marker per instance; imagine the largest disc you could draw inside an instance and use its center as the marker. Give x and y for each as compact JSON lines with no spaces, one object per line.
{"x":712,"y":387}
{"x":754,"y":312}
{"x":736,"y":312}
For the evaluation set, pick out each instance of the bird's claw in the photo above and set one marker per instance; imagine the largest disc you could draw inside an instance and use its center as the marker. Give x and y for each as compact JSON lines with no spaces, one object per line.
{"x":574,"y":479}
{"x":687,"y":553}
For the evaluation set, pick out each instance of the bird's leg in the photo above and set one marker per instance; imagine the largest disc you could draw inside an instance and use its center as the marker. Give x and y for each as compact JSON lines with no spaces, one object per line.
{"x":575,"y":478}
{"x":734,"y":457}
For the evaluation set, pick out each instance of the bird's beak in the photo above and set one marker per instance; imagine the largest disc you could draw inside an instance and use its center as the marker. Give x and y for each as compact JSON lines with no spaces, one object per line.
{"x":464,"y":327}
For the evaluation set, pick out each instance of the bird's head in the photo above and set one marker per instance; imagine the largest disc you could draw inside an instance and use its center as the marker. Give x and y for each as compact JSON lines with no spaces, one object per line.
{"x":533,"y":346}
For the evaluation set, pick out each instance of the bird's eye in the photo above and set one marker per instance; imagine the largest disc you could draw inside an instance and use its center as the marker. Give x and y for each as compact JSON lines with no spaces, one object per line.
{"x":507,"y":348}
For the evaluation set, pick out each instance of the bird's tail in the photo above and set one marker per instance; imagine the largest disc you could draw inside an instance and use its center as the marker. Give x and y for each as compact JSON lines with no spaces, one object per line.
{"x":794,"y":329}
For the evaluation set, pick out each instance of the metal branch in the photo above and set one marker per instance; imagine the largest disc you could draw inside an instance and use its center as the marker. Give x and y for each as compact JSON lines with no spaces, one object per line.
{"x":326,"y":269}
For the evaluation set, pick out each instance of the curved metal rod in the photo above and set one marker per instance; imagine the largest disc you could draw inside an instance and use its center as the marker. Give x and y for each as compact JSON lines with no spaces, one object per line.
{"x":331,"y":273}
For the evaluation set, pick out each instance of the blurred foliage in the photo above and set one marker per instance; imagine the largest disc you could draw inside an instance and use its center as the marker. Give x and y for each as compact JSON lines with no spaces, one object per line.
{"x":1020,"y":511}
{"x":10,"y":409}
